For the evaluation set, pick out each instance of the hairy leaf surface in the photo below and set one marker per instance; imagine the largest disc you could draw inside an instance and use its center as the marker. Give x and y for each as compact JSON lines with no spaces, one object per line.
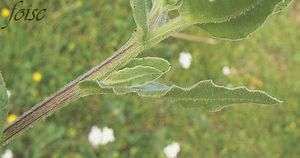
{"x":140,"y":13}
{"x":155,"y":62}
{"x":241,"y":26}
{"x":134,"y":76}
{"x":204,"y":93}
{"x":215,"y":11}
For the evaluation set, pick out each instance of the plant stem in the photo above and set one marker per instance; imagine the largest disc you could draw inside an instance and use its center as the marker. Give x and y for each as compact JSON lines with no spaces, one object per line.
{"x":72,"y":92}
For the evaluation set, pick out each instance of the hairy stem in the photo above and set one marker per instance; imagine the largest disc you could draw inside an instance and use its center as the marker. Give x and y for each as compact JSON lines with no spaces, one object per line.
{"x":72,"y":92}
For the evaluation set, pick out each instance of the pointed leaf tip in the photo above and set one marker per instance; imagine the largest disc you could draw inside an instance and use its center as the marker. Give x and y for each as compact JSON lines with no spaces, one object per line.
{"x":204,"y":93}
{"x":209,"y":94}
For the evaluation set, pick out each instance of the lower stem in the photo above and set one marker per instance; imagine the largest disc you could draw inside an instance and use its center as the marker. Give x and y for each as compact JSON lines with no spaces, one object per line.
{"x":72,"y":92}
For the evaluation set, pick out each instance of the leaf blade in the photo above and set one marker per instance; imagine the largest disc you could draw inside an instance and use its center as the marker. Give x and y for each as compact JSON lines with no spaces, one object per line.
{"x":204,"y":93}
{"x":213,"y":96}
{"x":140,"y":14}
{"x":155,"y":62}
{"x":214,"y":11}
{"x":242,"y":26}
{"x":134,"y":76}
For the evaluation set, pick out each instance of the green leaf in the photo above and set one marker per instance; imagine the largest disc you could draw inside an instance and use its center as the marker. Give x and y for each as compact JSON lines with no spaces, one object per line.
{"x":3,"y":104}
{"x":215,"y":98}
{"x":140,"y":10}
{"x":138,"y":71}
{"x":204,"y":93}
{"x":155,"y":62}
{"x":282,"y":5}
{"x":214,"y":11}
{"x":135,"y":76}
{"x":242,"y":26}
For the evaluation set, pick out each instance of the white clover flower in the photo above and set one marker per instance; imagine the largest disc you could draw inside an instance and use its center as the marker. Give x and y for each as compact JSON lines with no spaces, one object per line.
{"x":185,"y":60}
{"x":95,"y":136}
{"x":7,"y":154}
{"x":8,"y":93}
{"x":98,"y":136}
{"x":226,"y":70}
{"x":172,"y":150}
{"x":108,"y":135}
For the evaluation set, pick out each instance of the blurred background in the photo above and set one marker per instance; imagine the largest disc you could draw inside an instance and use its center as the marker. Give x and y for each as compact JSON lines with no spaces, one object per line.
{"x":38,"y":58}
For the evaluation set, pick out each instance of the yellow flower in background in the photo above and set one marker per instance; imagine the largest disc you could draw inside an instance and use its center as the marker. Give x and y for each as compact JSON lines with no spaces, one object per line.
{"x":293,"y":125}
{"x":5,"y":12}
{"x":11,"y":118}
{"x":37,"y":77}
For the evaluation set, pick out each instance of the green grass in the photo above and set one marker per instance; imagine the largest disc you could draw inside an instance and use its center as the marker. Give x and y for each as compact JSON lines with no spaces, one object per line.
{"x":77,"y":35}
